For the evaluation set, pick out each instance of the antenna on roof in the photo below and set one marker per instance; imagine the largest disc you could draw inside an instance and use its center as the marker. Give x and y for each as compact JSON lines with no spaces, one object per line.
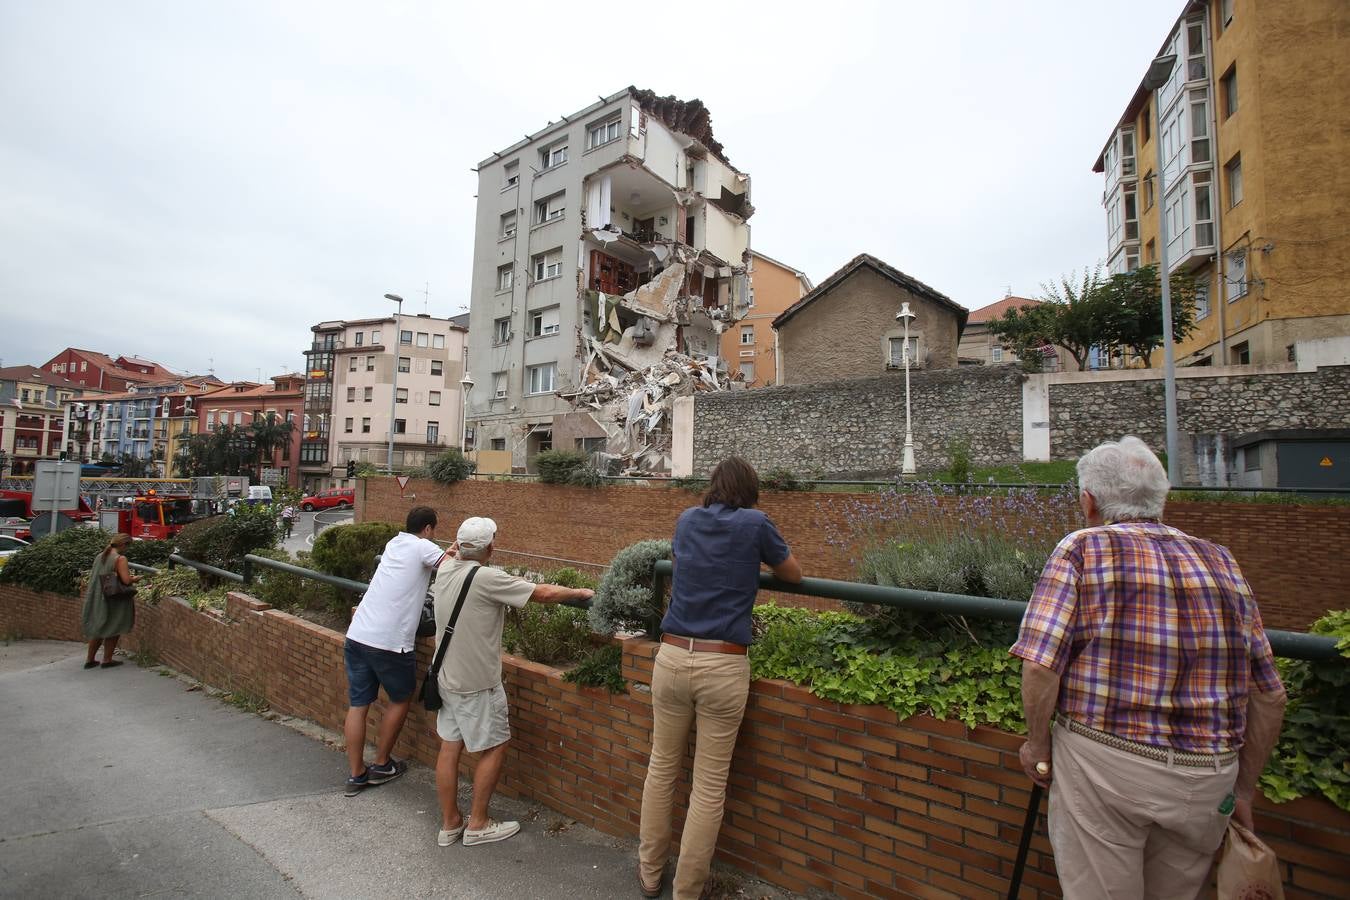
{"x":1008,"y":291}
{"x":426,"y":296}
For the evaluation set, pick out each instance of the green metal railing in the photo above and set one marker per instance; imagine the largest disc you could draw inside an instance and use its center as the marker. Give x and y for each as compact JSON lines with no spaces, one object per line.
{"x":1289,"y":644}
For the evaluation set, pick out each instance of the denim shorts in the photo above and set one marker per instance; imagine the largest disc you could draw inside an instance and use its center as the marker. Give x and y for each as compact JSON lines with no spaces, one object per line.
{"x":370,"y":668}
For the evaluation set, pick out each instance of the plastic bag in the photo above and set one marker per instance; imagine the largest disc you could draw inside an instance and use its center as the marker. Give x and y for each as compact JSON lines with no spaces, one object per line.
{"x":1248,"y":869}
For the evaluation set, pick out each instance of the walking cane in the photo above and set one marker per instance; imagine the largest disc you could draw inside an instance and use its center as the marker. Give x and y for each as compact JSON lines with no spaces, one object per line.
{"x":1028,"y":828}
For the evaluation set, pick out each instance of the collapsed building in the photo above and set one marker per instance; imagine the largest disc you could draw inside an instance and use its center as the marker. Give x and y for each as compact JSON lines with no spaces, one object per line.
{"x":658,"y":219}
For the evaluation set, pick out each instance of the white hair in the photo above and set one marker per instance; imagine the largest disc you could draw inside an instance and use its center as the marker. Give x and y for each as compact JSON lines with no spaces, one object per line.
{"x":478,"y":553}
{"x":1125,"y":478}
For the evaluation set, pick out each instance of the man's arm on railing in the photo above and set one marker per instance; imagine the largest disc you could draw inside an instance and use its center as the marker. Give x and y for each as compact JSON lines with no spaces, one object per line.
{"x":788,"y":570}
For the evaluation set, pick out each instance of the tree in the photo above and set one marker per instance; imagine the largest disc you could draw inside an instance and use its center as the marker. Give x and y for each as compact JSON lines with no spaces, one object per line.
{"x":1081,"y":313}
{"x":266,"y":436}
{"x":1136,"y":301}
{"x":132,"y":467}
{"x":1027,"y":332}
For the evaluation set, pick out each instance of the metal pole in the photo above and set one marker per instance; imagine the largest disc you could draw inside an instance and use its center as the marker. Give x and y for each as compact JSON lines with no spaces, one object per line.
{"x":1169,"y":352}
{"x":393,"y":394}
{"x":56,"y":497}
{"x":907,"y":460}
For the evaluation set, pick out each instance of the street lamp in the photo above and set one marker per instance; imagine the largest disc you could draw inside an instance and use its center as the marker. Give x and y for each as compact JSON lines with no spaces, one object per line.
{"x":905,"y":316}
{"x":1159,"y":71}
{"x":467,"y":384}
{"x":393,"y":396}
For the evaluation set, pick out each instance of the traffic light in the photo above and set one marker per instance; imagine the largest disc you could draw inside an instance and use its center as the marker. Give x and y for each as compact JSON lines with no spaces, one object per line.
{"x":351,"y":468}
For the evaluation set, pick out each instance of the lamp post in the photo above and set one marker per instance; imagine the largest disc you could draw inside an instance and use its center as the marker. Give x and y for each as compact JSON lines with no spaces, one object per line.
{"x":393,"y":396}
{"x":1158,"y":74}
{"x":905,"y":316}
{"x":466,"y":383}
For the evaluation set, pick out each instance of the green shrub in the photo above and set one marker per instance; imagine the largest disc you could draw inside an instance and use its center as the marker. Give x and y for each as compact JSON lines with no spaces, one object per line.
{"x":603,"y":667}
{"x":586,"y":476}
{"x":958,"y":461}
{"x":449,"y":467}
{"x":349,"y":551}
{"x":623,"y":601}
{"x":179,"y":581}
{"x":557,"y":466}
{"x":56,"y":562}
{"x":365,"y":469}
{"x":781,"y":479}
{"x":149,"y":553}
{"x":547,"y":633}
{"x":1313,"y":753}
{"x":569,"y":577}
{"x":286,"y":590}
{"x":223,"y":541}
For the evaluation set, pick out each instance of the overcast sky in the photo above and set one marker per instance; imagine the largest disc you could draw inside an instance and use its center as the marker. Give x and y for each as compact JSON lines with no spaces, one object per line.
{"x":199,"y":182}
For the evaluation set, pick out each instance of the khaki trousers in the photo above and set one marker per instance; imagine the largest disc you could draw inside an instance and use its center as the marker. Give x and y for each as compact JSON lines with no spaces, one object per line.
{"x":707,"y":690}
{"x":1124,"y":827}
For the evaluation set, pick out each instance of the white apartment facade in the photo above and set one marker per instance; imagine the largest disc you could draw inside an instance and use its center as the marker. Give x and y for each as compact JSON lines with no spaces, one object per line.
{"x":428,"y":354}
{"x":571,"y":222}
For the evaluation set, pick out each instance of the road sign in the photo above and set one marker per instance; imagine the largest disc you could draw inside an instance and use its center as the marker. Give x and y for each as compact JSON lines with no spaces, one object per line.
{"x":56,"y":485}
{"x":402,"y":483}
{"x":271,"y":476}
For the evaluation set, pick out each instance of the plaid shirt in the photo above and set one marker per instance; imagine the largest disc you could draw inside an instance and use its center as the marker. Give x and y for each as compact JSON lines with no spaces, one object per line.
{"x":1155,"y":634}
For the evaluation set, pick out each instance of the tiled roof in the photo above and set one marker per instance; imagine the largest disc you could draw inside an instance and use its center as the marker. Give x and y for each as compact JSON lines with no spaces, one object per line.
{"x":913,"y":285}
{"x":996,"y":310}
{"x":32,"y":374}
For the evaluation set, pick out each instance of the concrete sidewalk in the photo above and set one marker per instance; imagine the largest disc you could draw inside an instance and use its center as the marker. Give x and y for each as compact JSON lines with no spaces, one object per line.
{"x":131,"y":782}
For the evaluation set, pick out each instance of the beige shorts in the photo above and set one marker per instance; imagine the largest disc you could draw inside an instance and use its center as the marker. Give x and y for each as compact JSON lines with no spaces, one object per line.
{"x":480,"y":719}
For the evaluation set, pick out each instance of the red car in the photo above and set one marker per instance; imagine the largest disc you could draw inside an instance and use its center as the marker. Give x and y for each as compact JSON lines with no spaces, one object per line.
{"x":333,"y":498}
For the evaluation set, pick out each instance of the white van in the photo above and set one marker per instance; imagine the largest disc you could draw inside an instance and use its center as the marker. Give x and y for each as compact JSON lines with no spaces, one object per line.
{"x":259,"y":493}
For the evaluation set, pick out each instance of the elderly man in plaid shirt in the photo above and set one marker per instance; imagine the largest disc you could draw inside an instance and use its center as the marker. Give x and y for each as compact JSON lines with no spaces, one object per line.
{"x":1143,"y":649}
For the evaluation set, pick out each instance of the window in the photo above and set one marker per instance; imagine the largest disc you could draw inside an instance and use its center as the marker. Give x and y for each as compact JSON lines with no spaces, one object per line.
{"x":996,"y":354}
{"x":554,"y":156}
{"x":508,"y":224}
{"x":1228,"y":91}
{"x":422,"y":338}
{"x":511,"y":174}
{"x":505,"y":277}
{"x":368,"y":395}
{"x":347,"y":425}
{"x":405,"y":364}
{"x":405,"y":337}
{"x":433,"y":432}
{"x":1195,"y":50}
{"x":1201,"y":301}
{"x":375,"y":337}
{"x":498,"y":385}
{"x":748,"y":372}
{"x":433,"y":398}
{"x":84,"y":366}
{"x":1226,"y":13}
{"x":602,"y":133}
{"x":896,"y":348}
{"x":1150,"y":252}
{"x":1242,"y":354}
{"x":436,"y":367}
{"x":1145,"y":124}
{"x":370,"y":364}
{"x":1235,"y":273}
{"x":544,"y":322}
{"x":351,"y":395}
{"x":498,"y":443}
{"x":400,"y":426}
{"x":548,"y":265}
{"x":1131,"y":216}
{"x":541,"y":378}
{"x":365,"y":425}
{"x":1199,"y":127}
{"x":358,"y":337}
{"x":1204,"y":210}
{"x":1233,"y":174}
{"x":550,"y":208}
{"x":747,"y":334}
{"x":351,"y":364}
{"x":501,"y":331}
{"x":1148,"y":190}
{"x":438,"y":342}
{"x":401,"y":395}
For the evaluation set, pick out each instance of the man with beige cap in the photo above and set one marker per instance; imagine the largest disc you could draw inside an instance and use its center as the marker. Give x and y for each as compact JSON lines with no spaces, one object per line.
{"x":473,"y":714}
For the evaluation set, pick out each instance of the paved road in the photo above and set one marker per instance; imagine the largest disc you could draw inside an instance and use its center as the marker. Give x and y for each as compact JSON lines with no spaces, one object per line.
{"x":302,"y":536}
{"x":126,"y":783}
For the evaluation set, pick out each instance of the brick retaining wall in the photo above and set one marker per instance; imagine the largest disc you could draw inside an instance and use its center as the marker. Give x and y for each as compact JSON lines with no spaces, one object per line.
{"x":848,"y":799}
{"x":1292,"y":555}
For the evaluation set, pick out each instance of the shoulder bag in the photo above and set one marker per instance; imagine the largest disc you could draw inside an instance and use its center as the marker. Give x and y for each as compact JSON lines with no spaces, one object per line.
{"x":113,"y":588}
{"x":431,"y":692}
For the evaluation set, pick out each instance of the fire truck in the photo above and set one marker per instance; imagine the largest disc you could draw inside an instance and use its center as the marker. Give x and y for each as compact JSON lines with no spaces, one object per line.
{"x":151,"y":515}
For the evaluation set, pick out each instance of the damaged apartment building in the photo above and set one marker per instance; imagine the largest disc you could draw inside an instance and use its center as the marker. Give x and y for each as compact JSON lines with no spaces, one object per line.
{"x":610,"y":254}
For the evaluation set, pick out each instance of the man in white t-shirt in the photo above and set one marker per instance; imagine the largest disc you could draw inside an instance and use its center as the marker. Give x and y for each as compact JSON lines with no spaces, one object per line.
{"x":474,"y":710}
{"x":379,"y":648}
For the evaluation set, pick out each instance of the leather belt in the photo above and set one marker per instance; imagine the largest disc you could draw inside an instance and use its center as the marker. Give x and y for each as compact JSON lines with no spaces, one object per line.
{"x":1148,"y":751}
{"x":701,"y":646}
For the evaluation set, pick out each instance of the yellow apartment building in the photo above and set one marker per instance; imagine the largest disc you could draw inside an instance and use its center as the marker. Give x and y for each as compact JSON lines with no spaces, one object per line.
{"x":1254,"y":125}
{"x":749,"y":346}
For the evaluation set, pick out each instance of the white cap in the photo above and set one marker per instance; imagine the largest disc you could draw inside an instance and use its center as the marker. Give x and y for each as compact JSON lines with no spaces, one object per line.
{"x":475,"y":533}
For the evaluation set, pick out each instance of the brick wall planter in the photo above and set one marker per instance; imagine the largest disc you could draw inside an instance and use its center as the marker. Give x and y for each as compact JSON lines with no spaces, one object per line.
{"x":848,"y":799}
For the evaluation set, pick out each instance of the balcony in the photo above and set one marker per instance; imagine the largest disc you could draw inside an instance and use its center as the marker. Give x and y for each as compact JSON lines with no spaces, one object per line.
{"x":327,"y":346}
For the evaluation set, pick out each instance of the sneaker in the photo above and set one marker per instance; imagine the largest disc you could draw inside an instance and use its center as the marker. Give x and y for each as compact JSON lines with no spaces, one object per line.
{"x":379,"y":774}
{"x":357,"y":783}
{"x":495,"y":831}
{"x":447,"y":836}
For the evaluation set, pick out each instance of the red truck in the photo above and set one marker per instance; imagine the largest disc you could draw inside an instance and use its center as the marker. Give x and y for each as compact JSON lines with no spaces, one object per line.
{"x":10,"y":506}
{"x":152,"y":516}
